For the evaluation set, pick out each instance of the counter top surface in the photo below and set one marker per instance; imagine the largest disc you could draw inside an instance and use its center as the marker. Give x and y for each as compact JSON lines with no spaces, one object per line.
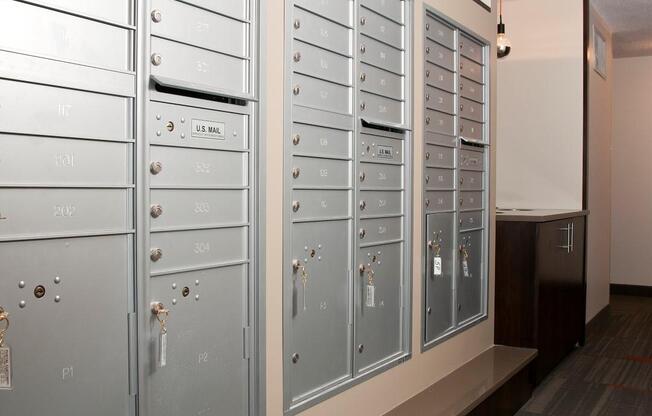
{"x":538,"y":215}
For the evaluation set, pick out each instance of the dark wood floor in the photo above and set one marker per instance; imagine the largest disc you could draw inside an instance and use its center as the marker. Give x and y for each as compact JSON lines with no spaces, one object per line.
{"x":611,"y":375}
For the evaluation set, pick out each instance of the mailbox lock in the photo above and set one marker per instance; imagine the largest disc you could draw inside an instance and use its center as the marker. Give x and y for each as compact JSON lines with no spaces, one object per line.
{"x":295,"y":358}
{"x":427,"y":155}
{"x":156,"y":59}
{"x":155,"y":254}
{"x":361,"y":268}
{"x":169,"y":126}
{"x":155,"y":168}
{"x":156,"y":210}
{"x":427,"y":49}
{"x":363,"y":176}
{"x":363,"y":233}
{"x":361,"y":348}
{"x":363,"y":20}
{"x":363,"y":48}
{"x":363,"y":105}
{"x":39,"y":291}
{"x":185,"y":291}
{"x":427,"y":178}
{"x":427,"y":202}
{"x":297,"y":56}
{"x":296,"y":90}
{"x":297,"y":23}
{"x":296,"y":172}
{"x":295,"y":206}
{"x":429,"y":310}
{"x":427,"y":120}
{"x":427,"y":26}
{"x":461,"y":201}
{"x":296,"y":139}
{"x":461,"y":107}
{"x":427,"y":73}
{"x":363,"y":77}
{"x":427,"y":97}
{"x":363,"y":205}
{"x":156,"y":16}
{"x":461,"y":180}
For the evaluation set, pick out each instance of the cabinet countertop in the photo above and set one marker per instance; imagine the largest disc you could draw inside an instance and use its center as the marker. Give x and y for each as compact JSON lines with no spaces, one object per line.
{"x":538,"y":215}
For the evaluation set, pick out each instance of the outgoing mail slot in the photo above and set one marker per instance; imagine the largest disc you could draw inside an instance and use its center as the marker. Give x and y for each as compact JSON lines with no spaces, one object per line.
{"x":440,"y":33}
{"x":388,"y":8}
{"x":438,"y":122}
{"x":380,"y":203}
{"x":320,"y":63}
{"x":199,"y":27}
{"x":318,"y":31}
{"x":471,"y":49}
{"x":471,"y":110}
{"x":377,"y":108}
{"x":471,"y":70}
{"x":44,"y":212}
{"x":439,"y":156}
{"x":118,"y":11}
{"x":62,"y":162}
{"x":380,"y":82}
{"x":319,"y":204}
{"x":196,"y":69}
{"x":335,"y":10}
{"x":439,"y":55}
{"x":472,"y":90}
{"x":189,"y":208}
{"x":471,"y":220}
{"x":439,"y":201}
{"x":471,"y":130}
{"x":43,"y":32}
{"x":377,"y":175}
{"x":380,"y":28}
{"x":183,"y":250}
{"x":316,"y":172}
{"x":471,"y":160}
{"x":440,"y":77}
{"x":380,"y":149}
{"x":314,"y":140}
{"x":380,"y":230}
{"x":471,"y":180}
{"x":380,"y":55}
{"x":176,"y":125}
{"x":63,"y":112}
{"x":192,"y":167}
{"x":322,"y":95}
{"x":238,"y":9}
{"x":440,"y":178}
{"x":440,"y":100}
{"x":471,"y":200}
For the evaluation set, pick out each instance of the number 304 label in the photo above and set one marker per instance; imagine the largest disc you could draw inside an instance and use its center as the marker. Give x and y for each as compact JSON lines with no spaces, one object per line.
{"x":436,"y":266}
{"x":5,"y":368}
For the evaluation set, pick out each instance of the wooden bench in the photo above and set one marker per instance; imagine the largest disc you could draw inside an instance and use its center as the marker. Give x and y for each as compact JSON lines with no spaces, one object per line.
{"x":495,"y":383}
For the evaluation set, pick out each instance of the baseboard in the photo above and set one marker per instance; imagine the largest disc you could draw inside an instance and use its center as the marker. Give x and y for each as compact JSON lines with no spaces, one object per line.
{"x":630,"y":290}
{"x":598,"y":318}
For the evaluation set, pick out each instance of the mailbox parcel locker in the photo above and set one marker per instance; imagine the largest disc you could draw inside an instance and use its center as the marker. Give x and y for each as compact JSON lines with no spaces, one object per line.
{"x":455,"y":186}
{"x":346,"y":194}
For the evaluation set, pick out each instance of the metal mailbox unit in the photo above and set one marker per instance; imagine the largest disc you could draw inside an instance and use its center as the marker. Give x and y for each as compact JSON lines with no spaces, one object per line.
{"x":456,"y":182}
{"x":347,"y":194}
{"x":66,"y":208}
{"x":198,"y":163}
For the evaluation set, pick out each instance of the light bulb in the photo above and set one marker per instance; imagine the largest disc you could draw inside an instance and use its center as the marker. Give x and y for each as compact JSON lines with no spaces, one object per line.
{"x":504,"y":45}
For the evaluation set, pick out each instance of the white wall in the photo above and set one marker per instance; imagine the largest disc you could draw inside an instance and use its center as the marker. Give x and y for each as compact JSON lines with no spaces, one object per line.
{"x":631,"y":191}
{"x":598,"y":254}
{"x":540,"y":106}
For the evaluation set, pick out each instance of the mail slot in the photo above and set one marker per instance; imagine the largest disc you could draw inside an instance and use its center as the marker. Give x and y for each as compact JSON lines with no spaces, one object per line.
{"x":63,"y":112}
{"x":380,"y":28}
{"x":471,"y":70}
{"x":471,"y":180}
{"x":48,"y":212}
{"x":439,"y":122}
{"x":238,"y":9}
{"x":320,"y":63}
{"x":322,"y":95}
{"x":440,"y":55}
{"x":378,"y":54}
{"x":440,"y":267}
{"x":471,"y":220}
{"x":192,"y":68}
{"x":471,"y":160}
{"x":471,"y":90}
{"x":439,"y":100}
{"x":377,"y":108}
{"x":471,"y":49}
{"x":319,"y":204}
{"x":176,"y":125}
{"x":380,"y":230}
{"x":181,"y":167}
{"x":471,"y":110}
{"x":185,"y":250}
{"x":63,"y":162}
{"x":440,"y":32}
{"x":44,"y":32}
{"x":190,"y":208}
{"x":471,"y":130}
{"x":335,"y":10}
{"x":317,"y":172}
{"x":314,"y":140}
{"x":439,"y":178}
{"x":380,"y":175}
{"x":439,"y":156}
{"x":378,"y":81}
{"x":313,"y":29}
{"x":380,"y":149}
{"x":440,"y":77}
{"x":470,"y":285}
{"x":380,"y":203}
{"x":388,"y":8}
{"x":199,"y":27}
{"x":471,"y":200}
{"x":118,"y":11}
{"x":439,"y":201}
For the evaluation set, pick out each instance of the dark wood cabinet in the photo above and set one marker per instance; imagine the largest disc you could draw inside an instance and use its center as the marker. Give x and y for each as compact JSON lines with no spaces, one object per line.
{"x":540,"y":288}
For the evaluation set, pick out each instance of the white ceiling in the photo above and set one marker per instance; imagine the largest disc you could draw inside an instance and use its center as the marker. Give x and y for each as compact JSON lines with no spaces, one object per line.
{"x":631,"y":23}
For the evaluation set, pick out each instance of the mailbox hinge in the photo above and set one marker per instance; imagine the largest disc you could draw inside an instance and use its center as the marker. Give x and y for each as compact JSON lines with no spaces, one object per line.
{"x":133,"y":353}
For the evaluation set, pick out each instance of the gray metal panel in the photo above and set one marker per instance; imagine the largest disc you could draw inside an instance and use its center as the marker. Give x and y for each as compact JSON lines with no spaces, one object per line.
{"x":440,"y":100}
{"x":194,"y":167}
{"x":471,"y":49}
{"x":320,"y":63}
{"x":48,"y":33}
{"x":323,"y":95}
{"x":336,"y":10}
{"x":206,"y":371}
{"x":438,"y":201}
{"x":471,"y":70}
{"x":199,"y":27}
{"x":316,"y":172}
{"x":117,"y":11}
{"x":471,"y":180}
{"x":58,"y":353}
{"x":440,"y":231}
{"x":440,"y":32}
{"x":471,"y":160}
{"x":378,"y":81}
{"x":313,"y":140}
{"x":439,"y":55}
{"x":472,"y":90}
{"x":381,"y":55}
{"x":198,"y":208}
{"x":471,"y":130}
{"x":379,"y":230}
{"x":470,"y":288}
{"x":438,"y":122}
{"x":471,"y":220}
{"x":378,"y":328}
{"x":471,"y":110}
{"x":380,"y":203}
{"x":380,"y":175}
{"x":439,"y":157}
{"x":437,"y":178}
{"x":471,"y":200}
{"x":373,"y":148}
{"x":319,"y":334}
{"x":185,"y":250}
{"x":62,"y":162}
{"x":440,"y":139}
{"x":191,"y":68}
{"x":33,"y":212}
{"x":318,"y":31}
{"x":380,"y":28}
{"x":240,"y":9}
{"x":41,"y":110}
{"x":440,"y":77}
{"x":388,"y":8}
{"x":377,"y":108}
{"x":320,"y":204}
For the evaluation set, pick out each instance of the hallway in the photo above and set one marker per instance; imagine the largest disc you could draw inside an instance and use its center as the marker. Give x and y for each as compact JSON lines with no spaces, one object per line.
{"x":611,"y":375}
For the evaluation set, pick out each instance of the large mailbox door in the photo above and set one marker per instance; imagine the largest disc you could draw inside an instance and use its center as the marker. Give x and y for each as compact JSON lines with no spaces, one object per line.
{"x":66,"y":210}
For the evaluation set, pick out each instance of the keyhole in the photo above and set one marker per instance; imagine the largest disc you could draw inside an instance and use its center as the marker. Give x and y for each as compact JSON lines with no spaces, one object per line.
{"x":313,"y":253}
{"x":169,"y":126}
{"x":373,"y":259}
{"x":39,"y":291}
{"x":185,"y":291}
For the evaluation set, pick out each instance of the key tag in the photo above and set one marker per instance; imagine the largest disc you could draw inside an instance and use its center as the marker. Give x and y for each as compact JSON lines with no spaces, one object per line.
{"x":465,"y":262}
{"x":161,"y":316}
{"x":437,"y":263}
{"x":5,"y":353}
{"x":371,"y":290}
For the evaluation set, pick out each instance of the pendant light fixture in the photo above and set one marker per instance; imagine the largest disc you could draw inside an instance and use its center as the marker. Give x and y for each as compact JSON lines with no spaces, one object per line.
{"x":504,"y":44}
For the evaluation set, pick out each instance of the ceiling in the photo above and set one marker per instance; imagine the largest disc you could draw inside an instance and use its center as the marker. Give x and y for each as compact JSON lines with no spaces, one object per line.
{"x":631,"y":24}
